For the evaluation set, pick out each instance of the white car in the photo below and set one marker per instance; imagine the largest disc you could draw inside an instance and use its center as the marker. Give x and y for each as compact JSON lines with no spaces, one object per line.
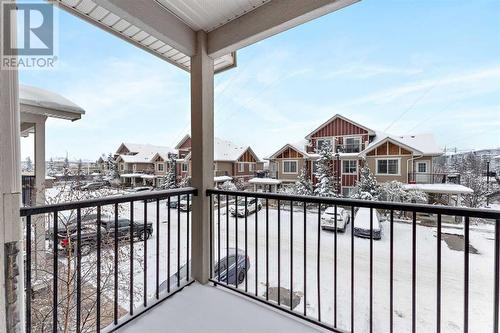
{"x":253,"y":205}
{"x":185,"y":205}
{"x":328,"y":219}
{"x":362,"y":224}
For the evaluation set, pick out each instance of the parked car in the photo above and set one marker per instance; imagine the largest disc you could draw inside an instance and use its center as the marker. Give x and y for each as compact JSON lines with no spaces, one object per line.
{"x":92,"y":186}
{"x":89,"y":234}
{"x":227,"y":272}
{"x":140,"y":189}
{"x":328,"y":219}
{"x":221,"y":265}
{"x":174,"y":200}
{"x":362,"y":224}
{"x":253,"y":205}
{"x":184,"y":205}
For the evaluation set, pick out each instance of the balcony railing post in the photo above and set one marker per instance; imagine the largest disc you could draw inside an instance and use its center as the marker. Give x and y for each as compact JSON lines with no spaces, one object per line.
{"x":202,"y":131}
{"x":11,"y":282}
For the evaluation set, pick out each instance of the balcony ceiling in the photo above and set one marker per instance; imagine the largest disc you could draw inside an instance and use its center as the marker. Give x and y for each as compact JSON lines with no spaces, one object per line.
{"x":106,"y":16}
{"x":167,"y":28}
{"x":208,"y":15}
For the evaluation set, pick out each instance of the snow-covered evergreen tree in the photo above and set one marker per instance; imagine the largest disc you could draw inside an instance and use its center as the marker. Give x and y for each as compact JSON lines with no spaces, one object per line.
{"x":324,"y":173}
{"x":170,"y":179}
{"x":185,"y":182}
{"x":28,"y":164}
{"x":66,"y":170}
{"x":367,"y":187}
{"x":111,"y":167}
{"x":303,"y":185}
{"x":51,"y":170}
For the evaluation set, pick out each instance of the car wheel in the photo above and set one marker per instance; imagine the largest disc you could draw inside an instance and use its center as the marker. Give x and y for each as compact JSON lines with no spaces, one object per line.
{"x":241,"y":276}
{"x":141,"y":235}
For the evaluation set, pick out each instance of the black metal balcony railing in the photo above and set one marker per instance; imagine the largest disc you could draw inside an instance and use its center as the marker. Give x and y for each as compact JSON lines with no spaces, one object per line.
{"x":433,"y":178}
{"x":114,"y":281}
{"x":99,"y":262}
{"x":297,"y":247}
{"x":28,"y":190}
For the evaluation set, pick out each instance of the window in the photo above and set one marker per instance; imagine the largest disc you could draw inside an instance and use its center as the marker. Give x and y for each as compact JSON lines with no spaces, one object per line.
{"x":134,"y":167}
{"x":388,"y":167}
{"x":352,"y":145}
{"x":241,"y":167}
{"x":122,"y":167}
{"x":347,"y":191}
{"x":321,"y":142}
{"x":422,"y":167}
{"x":349,"y":167}
{"x":184,"y":167}
{"x":290,"y":166}
{"x":251,"y":167}
{"x":160,"y":166}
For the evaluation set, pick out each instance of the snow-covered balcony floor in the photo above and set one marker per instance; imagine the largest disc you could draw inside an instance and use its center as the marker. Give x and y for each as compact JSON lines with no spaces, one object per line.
{"x":208,"y":309}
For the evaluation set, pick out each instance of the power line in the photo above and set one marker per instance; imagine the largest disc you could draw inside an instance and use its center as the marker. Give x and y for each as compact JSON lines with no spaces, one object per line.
{"x":418,"y":99}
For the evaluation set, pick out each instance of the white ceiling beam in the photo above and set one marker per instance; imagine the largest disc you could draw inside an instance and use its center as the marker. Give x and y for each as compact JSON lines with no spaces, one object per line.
{"x":154,"y":19}
{"x":267,"y":20}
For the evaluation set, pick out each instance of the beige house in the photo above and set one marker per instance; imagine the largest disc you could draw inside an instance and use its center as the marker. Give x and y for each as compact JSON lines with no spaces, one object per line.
{"x":231,"y":161}
{"x":142,"y":164}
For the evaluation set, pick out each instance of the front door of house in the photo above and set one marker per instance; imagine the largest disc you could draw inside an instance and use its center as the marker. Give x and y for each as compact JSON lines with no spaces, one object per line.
{"x":422,"y":172}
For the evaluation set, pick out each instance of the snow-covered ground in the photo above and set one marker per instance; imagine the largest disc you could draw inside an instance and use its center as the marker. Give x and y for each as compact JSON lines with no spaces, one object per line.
{"x":481,"y":270}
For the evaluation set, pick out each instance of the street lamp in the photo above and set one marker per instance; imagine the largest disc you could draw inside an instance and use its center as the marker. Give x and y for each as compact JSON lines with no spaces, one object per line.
{"x":337,"y":156}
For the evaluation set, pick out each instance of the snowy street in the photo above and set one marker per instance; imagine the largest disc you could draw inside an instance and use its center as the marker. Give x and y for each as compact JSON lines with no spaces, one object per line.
{"x":481,"y":269}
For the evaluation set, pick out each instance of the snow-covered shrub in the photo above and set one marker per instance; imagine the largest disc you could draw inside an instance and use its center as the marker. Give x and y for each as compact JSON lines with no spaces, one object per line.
{"x":228,"y":186}
{"x":416,"y":196}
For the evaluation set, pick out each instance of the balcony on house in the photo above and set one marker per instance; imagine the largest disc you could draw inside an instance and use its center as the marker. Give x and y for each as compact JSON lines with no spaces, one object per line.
{"x":433,"y":178}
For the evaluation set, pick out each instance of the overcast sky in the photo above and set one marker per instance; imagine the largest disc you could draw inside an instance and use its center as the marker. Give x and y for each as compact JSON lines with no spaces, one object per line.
{"x":396,"y":66}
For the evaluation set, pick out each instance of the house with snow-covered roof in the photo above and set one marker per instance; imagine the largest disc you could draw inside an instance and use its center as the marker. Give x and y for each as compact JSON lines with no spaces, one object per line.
{"x":408,"y":158}
{"x":143,"y":164}
{"x":231,"y":161}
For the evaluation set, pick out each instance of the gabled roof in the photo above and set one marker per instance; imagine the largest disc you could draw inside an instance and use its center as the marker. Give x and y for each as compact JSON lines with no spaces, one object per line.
{"x":178,"y":146}
{"x":227,"y":151}
{"x":296,"y":147}
{"x":422,"y":144}
{"x":338,"y":116}
{"x":146,"y":148}
{"x":143,"y":153}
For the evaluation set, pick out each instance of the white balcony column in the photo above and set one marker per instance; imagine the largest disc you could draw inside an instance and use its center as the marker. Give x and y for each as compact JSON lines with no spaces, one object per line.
{"x":39,"y":221}
{"x":11,"y":263}
{"x":202,"y":155}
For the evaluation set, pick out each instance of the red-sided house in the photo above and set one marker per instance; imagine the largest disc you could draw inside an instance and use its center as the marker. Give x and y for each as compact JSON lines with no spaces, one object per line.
{"x":403,"y":158}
